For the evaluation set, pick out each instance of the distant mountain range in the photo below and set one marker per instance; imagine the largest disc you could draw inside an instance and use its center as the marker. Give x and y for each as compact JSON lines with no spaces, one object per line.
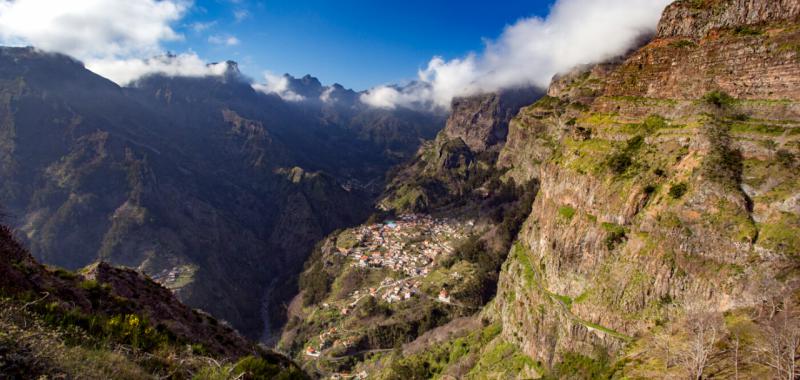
{"x":215,"y":189}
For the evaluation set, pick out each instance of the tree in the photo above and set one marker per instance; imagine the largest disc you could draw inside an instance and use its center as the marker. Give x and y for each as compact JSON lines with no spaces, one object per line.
{"x":702,"y":328}
{"x":781,"y":344}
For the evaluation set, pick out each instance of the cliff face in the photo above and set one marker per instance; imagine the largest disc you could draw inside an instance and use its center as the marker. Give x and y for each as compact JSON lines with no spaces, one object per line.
{"x":481,"y":121}
{"x":463,"y":155}
{"x":668,"y":186}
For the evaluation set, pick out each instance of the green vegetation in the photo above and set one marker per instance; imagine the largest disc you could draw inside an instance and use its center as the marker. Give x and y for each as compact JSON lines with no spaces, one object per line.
{"x":785,"y":158}
{"x":577,"y":366}
{"x":655,"y":122}
{"x":757,"y":127}
{"x":248,"y":368}
{"x":678,"y":190}
{"x":314,"y":281}
{"x":346,"y":240}
{"x":492,"y":358}
{"x":566,"y":212}
{"x":435,"y":360}
{"x":723,"y":163}
{"x":65,"y":274}
{"x":615,"y":234}
{"x":584,"y":156}
{"x":746,"y":30}
{"x":781,"y":235}
{"x":503,"y":359}
{"x":719,"y":99}
{"x":547,"y":102}
{"x":620,"y":161}
{"x":683,"y":44}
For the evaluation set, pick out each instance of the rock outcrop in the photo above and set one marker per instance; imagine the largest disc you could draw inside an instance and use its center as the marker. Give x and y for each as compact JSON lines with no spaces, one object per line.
{"x":481,"y":121}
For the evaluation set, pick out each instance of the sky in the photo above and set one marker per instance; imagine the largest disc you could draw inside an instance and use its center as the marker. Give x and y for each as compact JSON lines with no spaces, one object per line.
{"x":434,"y":49}
{"x":357,"y":43}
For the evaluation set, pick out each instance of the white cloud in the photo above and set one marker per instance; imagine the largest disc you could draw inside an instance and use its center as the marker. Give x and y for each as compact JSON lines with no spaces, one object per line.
{"x":278,"y":85}
{"x":128,"y":70}
{"x":91,"y":28}
{"x":325,"y":96}
{"x":114,"y":38}
{"x":200,"y":27}
{"x":223,"y":40}
{"x":241,"y":14}
{"x":531,"y":51}
{"x":415,"y":95}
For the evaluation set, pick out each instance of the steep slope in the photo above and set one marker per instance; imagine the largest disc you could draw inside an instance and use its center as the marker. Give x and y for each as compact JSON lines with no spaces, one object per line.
{"x":447,"y":171}
{"x":666,"y":222}
{"x":214,"y":189}
{"x":106,"y":322}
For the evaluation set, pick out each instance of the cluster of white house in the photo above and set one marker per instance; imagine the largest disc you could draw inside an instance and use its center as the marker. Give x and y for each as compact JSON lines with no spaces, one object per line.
{"x":409,"y":245}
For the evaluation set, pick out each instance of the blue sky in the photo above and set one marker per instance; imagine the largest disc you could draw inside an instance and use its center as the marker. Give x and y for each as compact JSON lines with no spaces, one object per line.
{"x":359,"y":44}
{"x":451,"y":48}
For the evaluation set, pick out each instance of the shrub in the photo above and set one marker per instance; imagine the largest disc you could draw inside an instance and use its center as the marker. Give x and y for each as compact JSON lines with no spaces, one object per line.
{"x":745,"y":30}
{"x":65,"y":274}
{"x":90,"y":285}
{"x":654,"y":123}
{"x":723,"y":163}
{"x":253,"y":368}
{"x":719,"y":99}
{"x":620,"y":161}
{"x":615,"y":234}
{"x":785,"y":158}
{"x":677,"y":190}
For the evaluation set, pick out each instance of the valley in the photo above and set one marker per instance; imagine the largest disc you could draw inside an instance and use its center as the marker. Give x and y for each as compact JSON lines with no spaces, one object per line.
{"x":639,"y":218}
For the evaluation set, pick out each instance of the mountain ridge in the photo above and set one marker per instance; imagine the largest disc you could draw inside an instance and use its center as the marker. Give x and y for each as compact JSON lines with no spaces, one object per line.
{"x":161,"y":175}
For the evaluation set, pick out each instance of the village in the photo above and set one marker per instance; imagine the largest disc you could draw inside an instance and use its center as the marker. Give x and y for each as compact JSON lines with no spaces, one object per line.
{"x":409,"y":246}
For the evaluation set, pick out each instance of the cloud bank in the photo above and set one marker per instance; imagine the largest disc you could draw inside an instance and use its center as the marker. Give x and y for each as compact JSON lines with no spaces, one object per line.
{"x":278,"y":85}
{"x":111,"y":37}
{"x":530,"y":52}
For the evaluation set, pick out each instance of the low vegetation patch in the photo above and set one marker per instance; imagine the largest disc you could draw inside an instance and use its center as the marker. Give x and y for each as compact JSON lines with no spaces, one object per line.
{"x":566,"y":212}
{"x":683,"y":44}
{"x":678,"y":190}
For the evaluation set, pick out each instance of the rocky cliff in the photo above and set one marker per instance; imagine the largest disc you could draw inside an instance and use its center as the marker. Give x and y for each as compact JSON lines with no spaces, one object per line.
{"x":667,"y":216}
